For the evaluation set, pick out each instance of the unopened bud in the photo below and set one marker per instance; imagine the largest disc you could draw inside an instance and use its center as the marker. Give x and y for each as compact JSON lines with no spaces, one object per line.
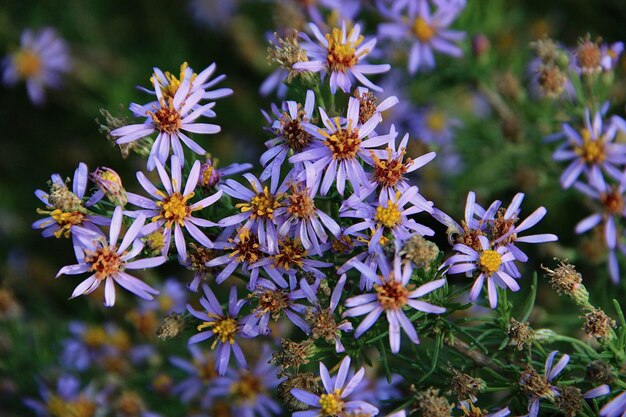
{"x":480,"y":45}
{"x":209,"y":175}
{"x":110,"y":183}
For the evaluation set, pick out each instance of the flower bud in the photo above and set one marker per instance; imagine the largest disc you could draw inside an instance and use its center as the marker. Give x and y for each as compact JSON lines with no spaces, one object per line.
{"x":209,"y":175}
{"x":110,"y":183}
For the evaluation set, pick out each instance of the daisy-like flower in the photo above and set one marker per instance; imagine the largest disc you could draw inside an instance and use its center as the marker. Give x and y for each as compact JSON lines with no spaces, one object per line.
{"x":427,"y":31}
{"x":392,"y":294}
{"x":340,"y":54}
{"x":257,"y":210}
{"x":66,"y":208}
{"x":322,"y":320}
{"x":272,"y":303}
{"x":108,"y":261}
{"x":69,"y":398}
{"x":248,"y":391}
{"x":489,"y":263}
{"x":611,"y":198}
{"x":41,"y":61}
{"x":226,"y":328}
{"x":200,"y":376}
{"x":343,"y":145}
{"x":171,"y":209}
{"x":289,"y":135}
{"x":538,"y":387}
{"x":169,"y":83}
{"x":302,"y":220}
{"x":616,"y":407}
{"x":169,"y":118}
{"x":289,"y":259}
{"x":592,"y":149}
{"x":335,"y":402}
{"x":389,"y":216}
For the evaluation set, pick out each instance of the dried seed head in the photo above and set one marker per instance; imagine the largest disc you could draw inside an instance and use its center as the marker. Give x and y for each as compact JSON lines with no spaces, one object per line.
{"x":566,"y":280}
{"x":588,"y":56}
{"x":464,"y":386}
{"x":551,"y":80}
{"x":428,"y":403}
{"x":420,"y":251}
{"x":367,"y":105}
{"x":520,"y":334}
{"x":60,"y":197}
{"x":172,"y":326}
{"x":323,"y":324}
{"x":198,"y":256}
{"x":305,"y":381}
{"x":570,"y":401}
{"x":141,"y":146}
{"x":535,"y":385}
{"x":292,"y":355}
{"x":598,"y":324}
{"x":285,"y":52}
{"x":546,"y":49}
{"x":600,"y":372}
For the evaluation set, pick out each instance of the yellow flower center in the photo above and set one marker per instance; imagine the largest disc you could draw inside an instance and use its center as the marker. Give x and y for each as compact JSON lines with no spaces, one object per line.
{"x":290,"y":254}
{"x":66,"y":220}
{"x":174,"y":208}
{"x":613,"y":202}
{"x":155,"y":240}
{"x":342,"y":56}
{"x":169,"y":90}
{"x":343,"y":143}
{"x":81,"y":407}
{"x":167,"y":118}
{"x":389,"y":216}
{"x":94,"y":337}
{"x":206,"y":369}
{"x":105,"y":262}
{"x":247,"y":248}
{"x":262,"y":205}
{"x":592,"y":151}
{"x":300,"y":204}
{"x":436,"y":121}
{"x":246,"y":388}
{"x":490,"y":261}
{"x":387,"y":172}
{"x":422,"y":30}
{"x":224,"y":329}
{"x":27,"y":63}
{"x":392,"y":295}
{"x":331,"y":404}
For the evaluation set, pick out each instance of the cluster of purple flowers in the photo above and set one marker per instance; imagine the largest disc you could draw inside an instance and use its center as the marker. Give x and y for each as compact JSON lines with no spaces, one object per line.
{"x":597,"y":168}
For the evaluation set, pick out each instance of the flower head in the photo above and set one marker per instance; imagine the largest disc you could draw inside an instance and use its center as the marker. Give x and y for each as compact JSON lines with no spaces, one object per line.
{"x":41,"y":60}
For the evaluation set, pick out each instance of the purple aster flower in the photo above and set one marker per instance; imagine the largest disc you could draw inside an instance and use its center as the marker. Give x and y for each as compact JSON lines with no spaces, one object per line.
{"x":539,"y":386}
{"x":611,"y":198}
{"x":273,"y":302}
{"x":211,"y":176}
{"x":41,"y":61}
{"x":592,"y":149}
{"x":248,"y":391}
{"x":67,"y":209}
{"x":322,"y":320}
{"x":335,"y":401}
{"x":341,"y":54}
{"x":487,"y":263}
{"x":291,"y":258}
{"x":257,"y":210}
{"x":171,"y":209}
{"x":68,"y":395}
{"x":108,"y":261}
{"x":170,"y":118}
{"x":616,"y":407}
{"x":289,"y":133}
{"x":226,"y":328}
{"x":339,"y":149}
{"x":611,"y":55}
{"x":391,"y":296}
{"x":302,"y":220}
{"x":200,"y":376}
{"x":389,"y":216}
{"x":427,"y":31}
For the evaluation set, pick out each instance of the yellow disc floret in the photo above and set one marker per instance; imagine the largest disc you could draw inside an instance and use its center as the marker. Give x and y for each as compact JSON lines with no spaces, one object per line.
{"x":261,"y":205}
{"x":342,"y":55}
{"x":392,"y":295}
{"x":105,"y":262}
{"x":422,"y":30}
{"x":490,"y":261}
{"x":27,"y":63}
{"x":592,"y":151}
{"x":224,"y":329}
{"x":174,"y":209}
{"x":389,"y":216}
{"x":331,"y":404}
{"x":343,"y":143}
